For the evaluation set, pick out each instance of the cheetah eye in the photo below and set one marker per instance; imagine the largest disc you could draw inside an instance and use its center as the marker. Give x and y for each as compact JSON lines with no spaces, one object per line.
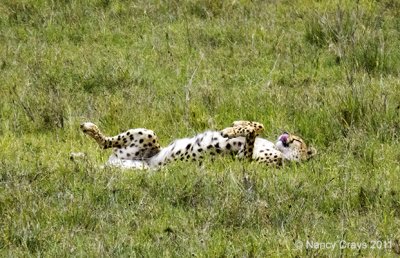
{"x":295,"y":140}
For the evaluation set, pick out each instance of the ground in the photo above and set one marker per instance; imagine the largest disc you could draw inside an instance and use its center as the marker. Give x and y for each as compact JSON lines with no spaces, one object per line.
{"x":325,"y":70}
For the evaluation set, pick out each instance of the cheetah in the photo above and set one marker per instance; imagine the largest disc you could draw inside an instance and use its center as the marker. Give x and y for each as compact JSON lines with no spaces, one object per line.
{"x":140,"y":149}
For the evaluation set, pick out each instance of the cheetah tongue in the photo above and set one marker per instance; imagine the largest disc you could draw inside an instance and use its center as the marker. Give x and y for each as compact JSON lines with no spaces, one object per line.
{"x":284,"y":138}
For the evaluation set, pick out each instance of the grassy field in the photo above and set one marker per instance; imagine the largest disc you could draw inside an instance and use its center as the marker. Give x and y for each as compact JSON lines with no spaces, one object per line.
{"x":325,"y":70}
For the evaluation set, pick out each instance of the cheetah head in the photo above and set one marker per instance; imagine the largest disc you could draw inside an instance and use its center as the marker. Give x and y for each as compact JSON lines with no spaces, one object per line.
{"x":294,"y":148}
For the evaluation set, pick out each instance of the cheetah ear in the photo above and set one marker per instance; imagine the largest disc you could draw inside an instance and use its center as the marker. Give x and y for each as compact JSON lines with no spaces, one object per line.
{"x":311,"y":152}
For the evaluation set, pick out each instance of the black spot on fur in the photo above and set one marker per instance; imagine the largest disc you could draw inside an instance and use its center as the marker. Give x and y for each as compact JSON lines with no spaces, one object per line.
{"x":140,"y":133}
{"x":209,"y":146}
{"x":131,"y":137}
{"x":178,"y":152}
{"x":128,"y":133}
{"x":141,"y":141}
{"x":137,"y":153}
{"x":228,"y":146}
{"x":188,"y":146}
{"x":118,"y":146}
{"x":149,"y":136}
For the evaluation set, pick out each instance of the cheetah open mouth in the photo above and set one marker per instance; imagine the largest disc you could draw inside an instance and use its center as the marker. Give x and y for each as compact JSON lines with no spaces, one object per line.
{"x":284,"y":138}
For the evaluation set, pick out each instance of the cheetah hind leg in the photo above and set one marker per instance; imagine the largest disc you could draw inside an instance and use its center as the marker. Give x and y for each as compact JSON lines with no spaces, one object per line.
{"x":133,"y":144}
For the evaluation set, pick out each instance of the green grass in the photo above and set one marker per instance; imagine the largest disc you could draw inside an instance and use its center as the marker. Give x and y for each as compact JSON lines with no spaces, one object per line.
{"x":326,"y":70}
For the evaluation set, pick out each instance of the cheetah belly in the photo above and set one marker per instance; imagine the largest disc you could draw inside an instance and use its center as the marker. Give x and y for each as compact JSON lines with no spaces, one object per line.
{"x":194,"y":149}
{"x":114,"y":161}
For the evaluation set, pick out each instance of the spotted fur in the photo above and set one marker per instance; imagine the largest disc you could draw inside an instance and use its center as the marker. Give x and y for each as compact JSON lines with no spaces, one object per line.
{"x":139,"y":148}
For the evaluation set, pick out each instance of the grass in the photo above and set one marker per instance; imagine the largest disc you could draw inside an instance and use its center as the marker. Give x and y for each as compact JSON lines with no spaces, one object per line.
{"x":327,"y":70}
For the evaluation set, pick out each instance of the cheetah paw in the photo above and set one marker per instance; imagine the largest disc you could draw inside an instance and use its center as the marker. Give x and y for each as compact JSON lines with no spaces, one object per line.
{"x":258,"y":127}
{"x":243,"y":128}
{"x":89,"y":128}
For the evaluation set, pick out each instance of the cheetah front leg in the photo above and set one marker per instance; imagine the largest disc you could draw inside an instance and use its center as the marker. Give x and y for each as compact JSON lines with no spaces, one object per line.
{"x":249,"y":130}
{"x":133,"y":144}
